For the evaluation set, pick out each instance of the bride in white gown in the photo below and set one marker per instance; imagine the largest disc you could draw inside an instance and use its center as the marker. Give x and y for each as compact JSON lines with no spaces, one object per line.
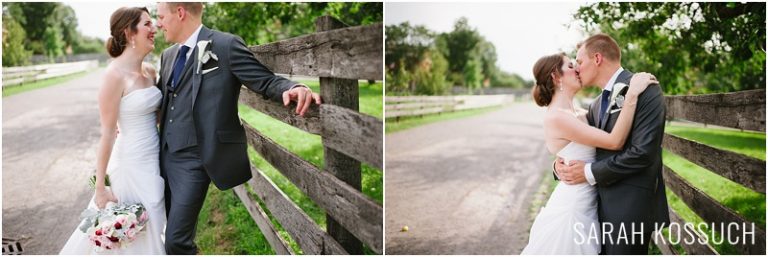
{"x":564,"y":225}
{"x":129,"y":146}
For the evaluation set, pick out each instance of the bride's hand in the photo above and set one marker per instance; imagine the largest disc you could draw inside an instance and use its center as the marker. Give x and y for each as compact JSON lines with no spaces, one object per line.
{"x":103,"y":197}
{"x":641,"y":81}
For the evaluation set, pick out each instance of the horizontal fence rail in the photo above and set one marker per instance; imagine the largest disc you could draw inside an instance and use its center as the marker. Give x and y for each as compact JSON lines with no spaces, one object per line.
{"x":356,"y":134}
{"x":26,"y":74}
{"x":340,"y":53}
{"x":403,"y":106}
{"x":745,"y":170}
{"x":741,"y":110}
{"x":712,"y":211}
{"x":339,"y":57}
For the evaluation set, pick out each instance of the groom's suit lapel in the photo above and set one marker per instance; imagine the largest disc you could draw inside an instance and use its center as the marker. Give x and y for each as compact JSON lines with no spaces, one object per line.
{"x":605,"y":118}
{"x":623,"y":77}
{"x":197,"y":79}
{"x":594,"y":110}
{"x":167,"y":69}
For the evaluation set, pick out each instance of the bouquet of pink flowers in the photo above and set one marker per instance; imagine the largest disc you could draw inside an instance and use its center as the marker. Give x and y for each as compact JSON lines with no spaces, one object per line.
{"x":115,"y":226}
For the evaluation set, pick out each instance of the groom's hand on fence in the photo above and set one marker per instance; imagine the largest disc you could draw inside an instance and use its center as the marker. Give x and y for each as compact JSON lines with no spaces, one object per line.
{"x":572,"y":174}
{"x":303,"y":97}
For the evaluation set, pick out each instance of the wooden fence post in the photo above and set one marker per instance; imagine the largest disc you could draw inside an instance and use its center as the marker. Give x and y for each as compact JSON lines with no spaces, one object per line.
{"x":344,"y":93}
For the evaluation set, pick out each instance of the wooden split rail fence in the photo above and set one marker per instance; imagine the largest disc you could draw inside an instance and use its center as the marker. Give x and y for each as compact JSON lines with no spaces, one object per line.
{"x":741,"y":110}
{"x":340,"y":56}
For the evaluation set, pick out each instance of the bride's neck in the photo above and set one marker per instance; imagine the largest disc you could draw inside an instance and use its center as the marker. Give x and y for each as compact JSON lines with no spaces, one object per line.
{"x":129,"y":61}
{"x":563,"y":99}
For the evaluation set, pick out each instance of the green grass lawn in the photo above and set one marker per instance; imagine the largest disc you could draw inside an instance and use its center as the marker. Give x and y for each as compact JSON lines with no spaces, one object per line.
{"x":394,"y":125}
{"x":225,"y":227}
{"x":16,"y":89}
{"x":742,"y":200}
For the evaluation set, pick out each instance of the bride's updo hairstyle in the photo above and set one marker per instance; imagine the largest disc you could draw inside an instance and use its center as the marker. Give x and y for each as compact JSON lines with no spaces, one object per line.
{"x":123,"y":18}
{"x":544,"y":86}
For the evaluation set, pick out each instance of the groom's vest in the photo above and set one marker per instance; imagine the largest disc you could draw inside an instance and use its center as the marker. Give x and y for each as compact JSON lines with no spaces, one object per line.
{"x":178,"y":125}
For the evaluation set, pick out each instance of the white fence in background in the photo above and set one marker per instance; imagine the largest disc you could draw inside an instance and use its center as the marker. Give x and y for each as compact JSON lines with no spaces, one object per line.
{"x":402,"y":106}
{"x":26,"y":74}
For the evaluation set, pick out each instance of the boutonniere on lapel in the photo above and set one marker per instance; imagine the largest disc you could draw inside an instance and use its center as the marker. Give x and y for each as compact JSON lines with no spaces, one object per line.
{"x":617,"y":97}
{"x":207,"y":61}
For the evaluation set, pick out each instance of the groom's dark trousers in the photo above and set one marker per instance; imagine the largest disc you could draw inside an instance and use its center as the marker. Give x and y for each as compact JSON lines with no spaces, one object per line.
{"x":630,"y":186}
{"x":186,"y":187}
{"x":201,"y":137}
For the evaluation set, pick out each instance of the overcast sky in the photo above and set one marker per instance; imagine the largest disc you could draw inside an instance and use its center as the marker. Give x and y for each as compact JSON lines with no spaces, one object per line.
{"x":522,"y":32}
{"x":93,"y":17}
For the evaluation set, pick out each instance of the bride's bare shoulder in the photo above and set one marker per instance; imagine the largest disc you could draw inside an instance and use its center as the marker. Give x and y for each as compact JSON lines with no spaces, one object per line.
{"x":555,"y":116}
{"x":112,"y":75}
{"x":113,"y":79}
{"x":149,"y":70}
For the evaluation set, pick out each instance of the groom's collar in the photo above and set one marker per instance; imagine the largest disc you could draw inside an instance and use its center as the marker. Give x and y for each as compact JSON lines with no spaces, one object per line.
{"x":609,"y":86}
{"x":192,"y":40}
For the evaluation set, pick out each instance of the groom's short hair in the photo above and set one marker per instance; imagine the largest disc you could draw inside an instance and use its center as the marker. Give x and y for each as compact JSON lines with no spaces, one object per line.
{"x":603,"y":44}
{"x":195,"y":8}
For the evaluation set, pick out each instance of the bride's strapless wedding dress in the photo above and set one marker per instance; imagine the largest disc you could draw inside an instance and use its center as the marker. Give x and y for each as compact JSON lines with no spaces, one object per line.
{"x":134,"y":174}
{"x":563,"y":225}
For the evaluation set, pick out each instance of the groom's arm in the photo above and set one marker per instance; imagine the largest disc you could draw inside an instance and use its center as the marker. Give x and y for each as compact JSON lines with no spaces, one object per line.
{"x":254,"y":75}
{"x":647,"y":133}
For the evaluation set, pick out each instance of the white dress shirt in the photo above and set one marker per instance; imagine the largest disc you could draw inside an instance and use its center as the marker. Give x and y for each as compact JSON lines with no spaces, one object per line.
{"x":608,"y":86}
{"x":192,"y":41}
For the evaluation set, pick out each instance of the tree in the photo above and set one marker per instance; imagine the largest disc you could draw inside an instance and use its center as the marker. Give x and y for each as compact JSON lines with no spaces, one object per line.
{"x":14,"y":53}
{"x":355,"y":13}
{"x":459,"y":45}
{"x":38,"y":21}
{"x":487,"y":52}
{"x":429,"y":78}
{"x":473,"y":73}
{"x":90,"y":45}
{"x":397,"y":80}
{"x":506,"y":79}
{"x":269,"y":22}
{"x":64,"y":17}
{"x":35,"y":22}
{"x":691,"y":47}
{"x":435,"y":62}
{"x":407,"y":43}
{"x":472,"y":59}
{"x":54,"y":43}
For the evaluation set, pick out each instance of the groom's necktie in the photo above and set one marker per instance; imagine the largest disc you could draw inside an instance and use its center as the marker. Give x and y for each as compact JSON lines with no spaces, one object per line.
{"x":603,"y":105}
{"x":178,"y":67}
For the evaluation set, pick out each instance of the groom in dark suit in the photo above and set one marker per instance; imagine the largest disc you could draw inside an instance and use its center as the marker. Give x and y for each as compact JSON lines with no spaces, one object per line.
{"x":631,"y":191}
{"x":201,"y":137}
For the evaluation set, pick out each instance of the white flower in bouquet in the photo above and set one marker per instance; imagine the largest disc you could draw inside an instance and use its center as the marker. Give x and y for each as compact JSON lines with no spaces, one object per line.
{"x":114,"y":227}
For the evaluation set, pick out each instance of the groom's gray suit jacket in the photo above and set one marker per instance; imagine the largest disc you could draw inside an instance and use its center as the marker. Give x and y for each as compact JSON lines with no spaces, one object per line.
{"x":202,"y":109}
{"x":629,"y":181}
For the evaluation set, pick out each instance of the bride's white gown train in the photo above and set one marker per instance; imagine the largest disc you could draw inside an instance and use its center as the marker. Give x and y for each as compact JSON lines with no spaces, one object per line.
{"x":134,"y":173}
{"x":563,"y":225}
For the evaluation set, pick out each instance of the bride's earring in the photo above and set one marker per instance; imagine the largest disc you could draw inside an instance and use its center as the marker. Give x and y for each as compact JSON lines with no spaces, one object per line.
{"x":133,"y":43}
